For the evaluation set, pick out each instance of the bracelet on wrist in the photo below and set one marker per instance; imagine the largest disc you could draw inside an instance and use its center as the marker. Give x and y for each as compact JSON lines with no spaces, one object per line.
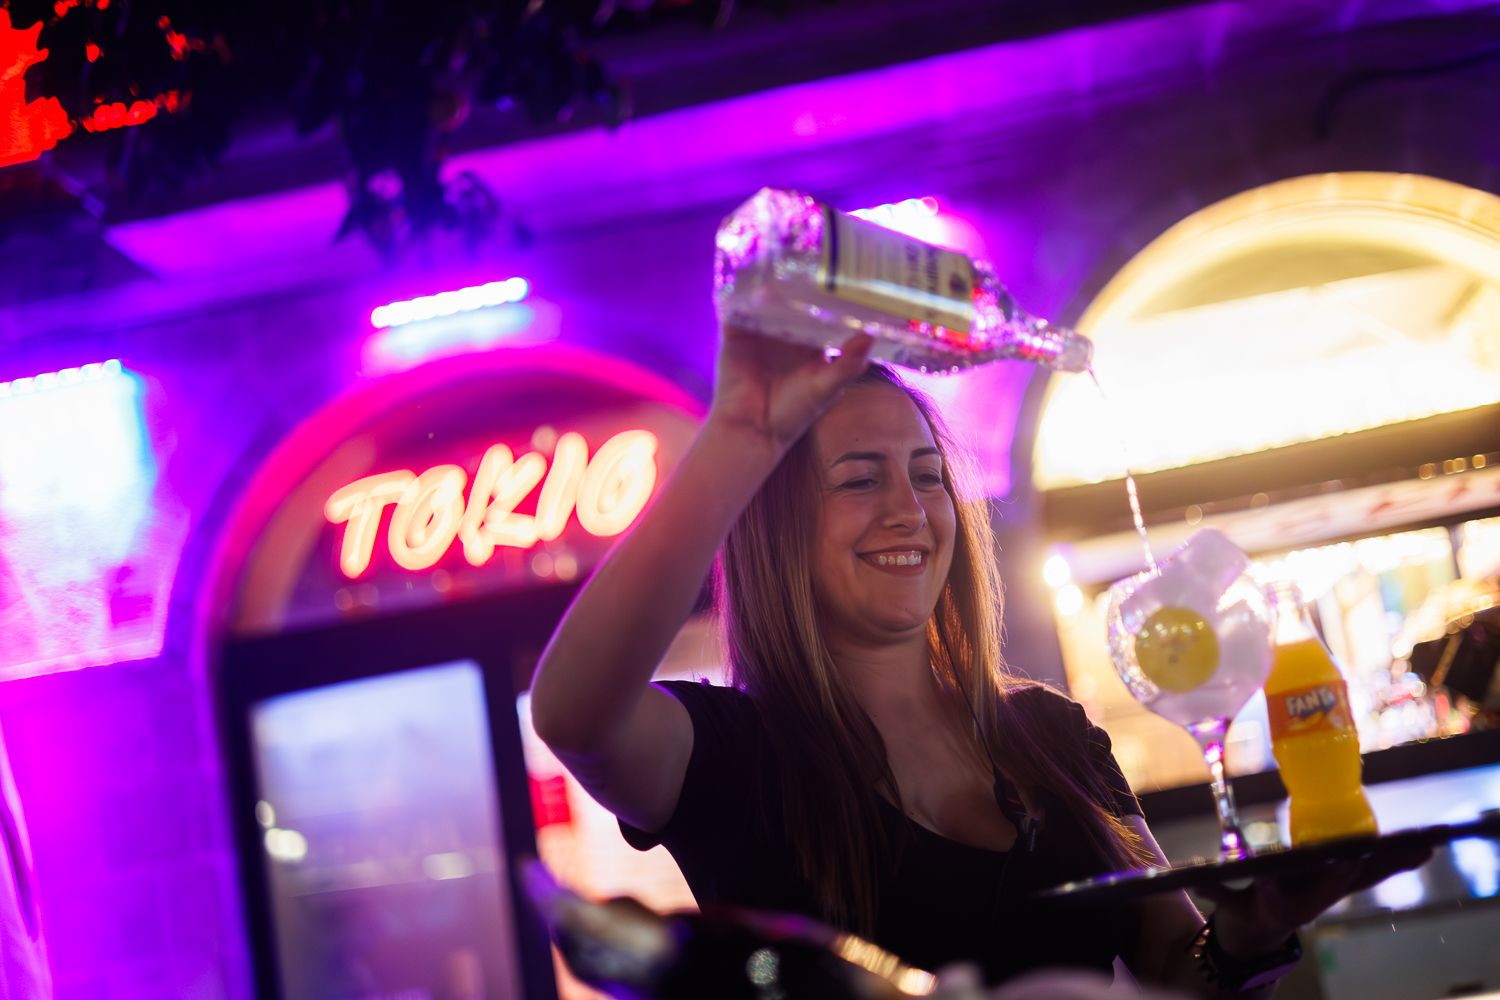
{"x":1239,"y":975}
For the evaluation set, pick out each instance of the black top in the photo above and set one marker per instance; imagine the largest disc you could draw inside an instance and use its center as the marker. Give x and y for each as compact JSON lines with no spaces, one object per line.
{"x":940,"y":901}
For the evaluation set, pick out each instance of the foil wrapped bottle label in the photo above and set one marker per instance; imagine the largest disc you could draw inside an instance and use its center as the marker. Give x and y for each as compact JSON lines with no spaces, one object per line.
{"x":882,"y":269}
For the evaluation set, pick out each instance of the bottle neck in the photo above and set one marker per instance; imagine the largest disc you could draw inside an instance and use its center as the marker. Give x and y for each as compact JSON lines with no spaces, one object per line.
{"x":1055,"y":347}
{"x":1293,"y":622}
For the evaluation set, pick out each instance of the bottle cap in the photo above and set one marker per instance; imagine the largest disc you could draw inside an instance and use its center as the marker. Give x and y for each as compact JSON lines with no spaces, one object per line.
{"x":1076,"y":353}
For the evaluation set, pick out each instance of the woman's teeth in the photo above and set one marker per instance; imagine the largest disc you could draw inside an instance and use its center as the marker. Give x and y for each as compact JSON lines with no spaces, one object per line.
{"x":898,"y":558}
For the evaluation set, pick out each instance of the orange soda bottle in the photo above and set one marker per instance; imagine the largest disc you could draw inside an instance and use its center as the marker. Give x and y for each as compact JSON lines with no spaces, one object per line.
{"x":1312,"y":730}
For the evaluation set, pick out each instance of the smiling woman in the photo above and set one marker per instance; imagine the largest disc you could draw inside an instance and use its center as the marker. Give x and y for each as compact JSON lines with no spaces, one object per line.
{"x":873,"y":764}
{"x":885,"y":684}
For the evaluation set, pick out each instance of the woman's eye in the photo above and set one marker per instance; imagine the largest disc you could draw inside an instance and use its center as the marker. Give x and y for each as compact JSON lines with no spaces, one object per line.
{"x":858,"y":484}
{"x":929,"y":478}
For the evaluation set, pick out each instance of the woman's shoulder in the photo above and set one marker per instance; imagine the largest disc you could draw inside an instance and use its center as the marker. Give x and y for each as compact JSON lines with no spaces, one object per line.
{"x":1043,"y":698}
{"x":711,"y":703}
{"x":1054,"y":711}
{"x":705,"y":689}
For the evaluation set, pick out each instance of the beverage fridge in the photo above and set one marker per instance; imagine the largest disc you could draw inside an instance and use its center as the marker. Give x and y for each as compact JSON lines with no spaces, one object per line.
{"x":381,"y":804}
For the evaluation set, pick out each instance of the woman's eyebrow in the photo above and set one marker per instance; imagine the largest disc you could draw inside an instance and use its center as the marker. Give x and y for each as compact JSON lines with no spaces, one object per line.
{"x":858,"y":456}
{"x":877,"y":456}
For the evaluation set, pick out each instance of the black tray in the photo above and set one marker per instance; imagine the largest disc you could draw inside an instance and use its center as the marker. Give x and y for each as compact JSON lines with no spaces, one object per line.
{"x":1268,"y":861}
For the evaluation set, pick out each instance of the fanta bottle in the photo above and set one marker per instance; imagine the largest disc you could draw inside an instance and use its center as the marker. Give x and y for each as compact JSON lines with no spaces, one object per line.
{"x":1312,"y":730}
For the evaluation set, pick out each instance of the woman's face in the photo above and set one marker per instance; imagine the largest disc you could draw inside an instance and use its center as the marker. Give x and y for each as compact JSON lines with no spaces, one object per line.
{"x":883,"y":541}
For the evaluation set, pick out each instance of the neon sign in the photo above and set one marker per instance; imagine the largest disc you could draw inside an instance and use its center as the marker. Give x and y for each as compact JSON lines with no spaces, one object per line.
{"x":605,"y":492}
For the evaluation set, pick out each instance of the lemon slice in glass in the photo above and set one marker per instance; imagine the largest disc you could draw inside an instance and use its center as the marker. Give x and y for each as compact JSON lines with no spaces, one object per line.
{"x":1177,"y":649}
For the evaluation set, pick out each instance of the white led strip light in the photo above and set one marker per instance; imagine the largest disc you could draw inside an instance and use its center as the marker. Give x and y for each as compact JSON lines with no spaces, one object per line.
{"x":92,"y":372}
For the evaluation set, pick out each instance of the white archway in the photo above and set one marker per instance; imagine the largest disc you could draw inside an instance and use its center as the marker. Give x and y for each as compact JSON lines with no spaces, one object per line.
{"x":1304,"y":309}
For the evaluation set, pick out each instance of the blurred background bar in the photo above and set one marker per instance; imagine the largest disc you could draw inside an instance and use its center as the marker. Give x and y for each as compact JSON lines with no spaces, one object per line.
{"x":336,"y":350}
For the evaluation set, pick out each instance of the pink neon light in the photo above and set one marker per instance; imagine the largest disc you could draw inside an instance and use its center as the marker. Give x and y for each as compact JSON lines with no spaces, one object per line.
{"x":307,"y":445}
{"x":606,"y":492}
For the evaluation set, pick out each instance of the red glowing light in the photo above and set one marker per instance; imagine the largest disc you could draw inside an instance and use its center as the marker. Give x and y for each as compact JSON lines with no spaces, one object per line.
{"x":180,"y":44}
{"x":32,"y":128}
{"x":27,"y":130}
{"x":118,"y":114}
{"x":549,"y":801}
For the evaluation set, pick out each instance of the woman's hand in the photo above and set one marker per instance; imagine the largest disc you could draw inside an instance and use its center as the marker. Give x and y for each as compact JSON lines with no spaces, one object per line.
{"x":1257,"y":919}
{"x":774,"y":390}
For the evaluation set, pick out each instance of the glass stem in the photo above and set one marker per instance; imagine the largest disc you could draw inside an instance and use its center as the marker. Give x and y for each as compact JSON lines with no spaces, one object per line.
{"x":1232,"y":842}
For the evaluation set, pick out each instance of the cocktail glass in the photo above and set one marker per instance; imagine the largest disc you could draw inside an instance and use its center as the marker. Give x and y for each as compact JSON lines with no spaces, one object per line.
{"x":1192,"y":639}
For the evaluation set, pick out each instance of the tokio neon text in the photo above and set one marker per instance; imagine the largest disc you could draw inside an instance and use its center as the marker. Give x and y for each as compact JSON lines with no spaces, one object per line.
{"x":606,"y":492}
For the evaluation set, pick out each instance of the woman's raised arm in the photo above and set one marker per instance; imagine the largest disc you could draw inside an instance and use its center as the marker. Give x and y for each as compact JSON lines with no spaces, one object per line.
{"x":627,"y":742}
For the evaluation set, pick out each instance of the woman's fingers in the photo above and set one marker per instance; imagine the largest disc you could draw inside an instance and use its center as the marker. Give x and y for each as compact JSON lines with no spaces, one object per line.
{"x":854,"y":355}
{"x":778,"y":388}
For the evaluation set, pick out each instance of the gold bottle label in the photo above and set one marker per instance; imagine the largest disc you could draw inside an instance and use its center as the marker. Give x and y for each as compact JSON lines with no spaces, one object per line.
{"x":885,"y":270}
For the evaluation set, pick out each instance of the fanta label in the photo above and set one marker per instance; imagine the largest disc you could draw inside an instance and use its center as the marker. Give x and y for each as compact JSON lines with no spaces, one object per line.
{"x":1319,"y":707}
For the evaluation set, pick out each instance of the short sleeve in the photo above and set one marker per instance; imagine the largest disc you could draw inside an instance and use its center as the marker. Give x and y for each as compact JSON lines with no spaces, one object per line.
{"x":1073,"y":720}
{"x":1102,"y":754}
{"x":725,"y":731}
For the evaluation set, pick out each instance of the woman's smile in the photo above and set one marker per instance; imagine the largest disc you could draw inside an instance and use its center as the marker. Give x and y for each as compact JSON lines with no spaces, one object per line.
{"x":901,"y":561}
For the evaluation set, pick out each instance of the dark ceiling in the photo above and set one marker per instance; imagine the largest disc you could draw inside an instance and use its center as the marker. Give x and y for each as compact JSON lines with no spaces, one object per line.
{"x":663,"y":58}
{"x":662,"y":55}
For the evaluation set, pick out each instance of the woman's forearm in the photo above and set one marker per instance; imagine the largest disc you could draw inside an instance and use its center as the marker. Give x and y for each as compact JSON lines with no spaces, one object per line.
{"x":608,"y":644}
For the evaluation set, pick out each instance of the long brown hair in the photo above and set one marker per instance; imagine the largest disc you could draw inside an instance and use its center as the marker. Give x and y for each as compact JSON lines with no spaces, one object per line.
{"x":833,"y":760}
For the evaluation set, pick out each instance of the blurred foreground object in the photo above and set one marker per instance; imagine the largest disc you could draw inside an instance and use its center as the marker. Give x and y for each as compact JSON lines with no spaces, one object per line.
{"x":627,"y":950}
{"x":1464,"y":660}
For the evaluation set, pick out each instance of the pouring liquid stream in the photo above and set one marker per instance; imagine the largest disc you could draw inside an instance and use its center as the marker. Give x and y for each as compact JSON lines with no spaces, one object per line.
{"x":1131,"y":491}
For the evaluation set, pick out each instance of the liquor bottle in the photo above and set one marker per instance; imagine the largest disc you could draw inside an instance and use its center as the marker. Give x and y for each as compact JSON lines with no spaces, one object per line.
{"x":789,"y":267}
{"x":1312,"y":730}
